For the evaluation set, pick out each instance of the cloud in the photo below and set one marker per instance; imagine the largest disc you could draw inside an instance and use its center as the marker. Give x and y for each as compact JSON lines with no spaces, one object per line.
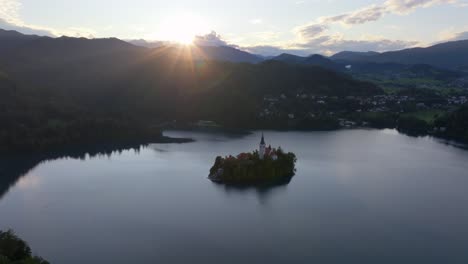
{"x":270,"y":50}
{"x":317,"y":38}
{"x":367,"y":14}
{"x":452,"y":36}
{"x":9,"y":11}
{"x":25,"y":29}
{"x":331,"y":44}
{"x":311,"y":30}
{"x":314,"y":37}
{"x":375,"y":12}
{"x":461,"y":36}
{"x":11,"y":20}
{"x":211,"y":39}
{"x":407,"y":6}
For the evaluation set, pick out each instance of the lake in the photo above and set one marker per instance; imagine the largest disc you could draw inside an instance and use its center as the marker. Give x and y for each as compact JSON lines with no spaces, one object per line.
{"x":359,"y":196}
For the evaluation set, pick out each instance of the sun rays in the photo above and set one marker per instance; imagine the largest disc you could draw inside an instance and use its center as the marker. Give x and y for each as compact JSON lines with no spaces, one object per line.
{"x":182,"y":28}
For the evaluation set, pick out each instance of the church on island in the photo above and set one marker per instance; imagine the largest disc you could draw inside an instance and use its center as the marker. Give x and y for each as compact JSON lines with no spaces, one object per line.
{"x":265,"y":165}
{"x":264,"y":151}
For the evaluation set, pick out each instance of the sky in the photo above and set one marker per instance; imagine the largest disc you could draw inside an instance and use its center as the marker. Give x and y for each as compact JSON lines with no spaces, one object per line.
{"x":264,"y":27}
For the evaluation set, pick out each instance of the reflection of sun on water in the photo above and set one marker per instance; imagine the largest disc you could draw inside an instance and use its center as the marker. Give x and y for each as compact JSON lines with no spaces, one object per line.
{"x":29,"y":182}
{"x":181,"y":28}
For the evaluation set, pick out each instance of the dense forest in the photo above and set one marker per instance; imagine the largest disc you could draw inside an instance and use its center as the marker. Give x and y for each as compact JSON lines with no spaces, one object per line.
{"x":73,"y":91}
{"x":31,"y":121}
{"x":249,"y":169}
{"x":456,"y":124}
{"x":63,"y":91}
{"x":14,"y":250}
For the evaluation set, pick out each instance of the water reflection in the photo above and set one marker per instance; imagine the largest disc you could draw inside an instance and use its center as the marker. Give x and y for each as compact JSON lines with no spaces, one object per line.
{"x":11,"y":171}
{"x":452,"y":143}
{"x":357,"y":195}
{"x":13,"y":168}
{"x":263,"y":192}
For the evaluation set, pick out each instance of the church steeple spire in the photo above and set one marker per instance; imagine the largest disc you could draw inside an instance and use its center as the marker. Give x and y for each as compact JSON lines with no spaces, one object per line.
{"x":261,"y":150}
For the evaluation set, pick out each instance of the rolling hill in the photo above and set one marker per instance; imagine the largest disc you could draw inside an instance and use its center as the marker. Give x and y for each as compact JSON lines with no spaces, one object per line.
{"x":203,"y":52}
{"x":450,"y":55}
{"x":112,"y":77}
{"x":225,"y":53}
{"x":312,"y":60}
{"x":385,"y":74}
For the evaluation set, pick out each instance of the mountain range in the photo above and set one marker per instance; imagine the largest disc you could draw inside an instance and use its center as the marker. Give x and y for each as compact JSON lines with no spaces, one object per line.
{"x":312,"y":60}
{"x":56,"y":89}
{"x":200,"y":52}
{"x":80,"y":64}
{"x":450,"y":55}
{"x":109,"y":76}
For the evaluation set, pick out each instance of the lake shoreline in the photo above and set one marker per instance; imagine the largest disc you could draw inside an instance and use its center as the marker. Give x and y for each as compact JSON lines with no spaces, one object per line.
{"x":144,"y":141}
{"x":96,"y":145}
{"x":403,"y":129}
{"x":378,"y":182}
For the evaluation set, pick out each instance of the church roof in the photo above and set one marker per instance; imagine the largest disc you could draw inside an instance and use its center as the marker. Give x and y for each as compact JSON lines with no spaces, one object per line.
{"x":262,"y":142}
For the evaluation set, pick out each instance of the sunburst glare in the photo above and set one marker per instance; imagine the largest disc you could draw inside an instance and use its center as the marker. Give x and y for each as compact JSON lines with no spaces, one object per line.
{"x":182,"y":28}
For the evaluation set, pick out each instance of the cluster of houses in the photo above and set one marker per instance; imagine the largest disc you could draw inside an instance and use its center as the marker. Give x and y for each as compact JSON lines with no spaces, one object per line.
{"x":457,"y":100}
{"x":348,"y":123}
{"x":277,"y":106}
{"x":460,"y":83}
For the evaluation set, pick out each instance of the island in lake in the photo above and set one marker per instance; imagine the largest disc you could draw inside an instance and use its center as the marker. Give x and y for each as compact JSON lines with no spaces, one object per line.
{"x":266,"y":165}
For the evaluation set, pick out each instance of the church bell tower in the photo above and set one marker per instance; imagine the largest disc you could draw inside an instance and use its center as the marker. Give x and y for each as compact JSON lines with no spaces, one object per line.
{"x":261,"y":151}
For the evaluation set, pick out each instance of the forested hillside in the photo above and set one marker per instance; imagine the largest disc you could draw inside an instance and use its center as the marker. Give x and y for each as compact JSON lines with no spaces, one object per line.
{"x":70,"y":90}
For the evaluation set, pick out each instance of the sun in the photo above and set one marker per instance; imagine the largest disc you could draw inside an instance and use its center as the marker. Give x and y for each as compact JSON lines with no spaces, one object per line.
{"x":182,"y":28}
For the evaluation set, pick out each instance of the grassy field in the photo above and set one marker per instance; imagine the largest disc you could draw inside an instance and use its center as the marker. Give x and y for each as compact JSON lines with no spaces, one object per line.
{"x":429,"y":116}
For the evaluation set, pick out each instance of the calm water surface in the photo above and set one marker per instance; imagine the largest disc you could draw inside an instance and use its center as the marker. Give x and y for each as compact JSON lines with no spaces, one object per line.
{"x":359,"y":196}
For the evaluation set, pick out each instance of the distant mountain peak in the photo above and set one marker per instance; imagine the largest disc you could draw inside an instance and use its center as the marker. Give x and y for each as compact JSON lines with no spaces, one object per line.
{"x":228,"y":53}
{"x":449,"y":55}
{"x":353,"y":55}
{"x":14,"y":34}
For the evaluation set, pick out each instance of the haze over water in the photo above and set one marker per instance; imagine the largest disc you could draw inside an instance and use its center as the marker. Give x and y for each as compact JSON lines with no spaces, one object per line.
{"x":359,"y":196}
